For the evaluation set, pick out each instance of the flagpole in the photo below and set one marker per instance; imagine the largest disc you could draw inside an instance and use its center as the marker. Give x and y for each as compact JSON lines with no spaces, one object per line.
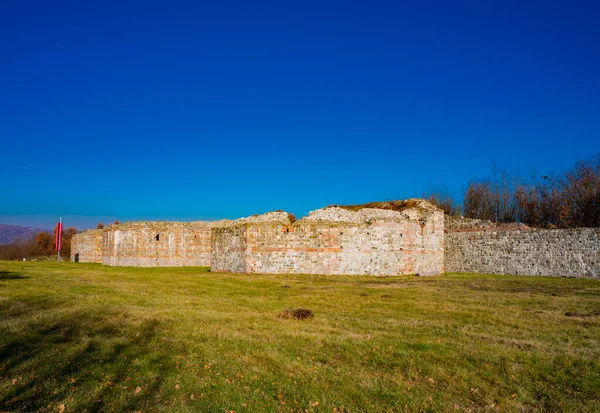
{"x":58,"y":236}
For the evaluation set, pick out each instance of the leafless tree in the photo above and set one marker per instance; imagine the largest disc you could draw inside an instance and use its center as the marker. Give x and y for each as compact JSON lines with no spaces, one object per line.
{"x":571,"y":199}
{"x":581,"y":194}
{"x":440,"y":196}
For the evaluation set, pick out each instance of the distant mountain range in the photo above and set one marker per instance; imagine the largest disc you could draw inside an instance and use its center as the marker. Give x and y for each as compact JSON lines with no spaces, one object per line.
{"x":11,"y":233}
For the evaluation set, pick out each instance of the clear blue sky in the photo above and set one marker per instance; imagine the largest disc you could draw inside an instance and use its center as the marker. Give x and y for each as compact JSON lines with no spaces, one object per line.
{"x":185,"y":111}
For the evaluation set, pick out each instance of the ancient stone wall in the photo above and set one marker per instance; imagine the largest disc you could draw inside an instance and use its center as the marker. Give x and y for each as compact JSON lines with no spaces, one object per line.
{"x":229,"y":252}
{"x":87,"y":246}
{"x":334,"y":241}
{"x":482,"y":247}
{"x":390,"y":238}
{"x":462,"y":224}
{"x":158,"y":244}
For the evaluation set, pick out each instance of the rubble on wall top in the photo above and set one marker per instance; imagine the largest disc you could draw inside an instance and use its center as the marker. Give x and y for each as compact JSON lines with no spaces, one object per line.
{"x":396,"y":205}
{"x":358,"y":214}
{"x":388,"y":211}
{"x":279,"y":217}
{"x":335,"y":214}
{"x":413,"y":208}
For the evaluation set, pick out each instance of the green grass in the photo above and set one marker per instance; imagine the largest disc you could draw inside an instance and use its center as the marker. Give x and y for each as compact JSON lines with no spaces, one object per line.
{"x":83,"y":337}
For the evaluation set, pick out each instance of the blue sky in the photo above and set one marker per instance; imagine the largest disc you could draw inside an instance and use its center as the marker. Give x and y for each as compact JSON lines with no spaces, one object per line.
{"x":191,"y":110}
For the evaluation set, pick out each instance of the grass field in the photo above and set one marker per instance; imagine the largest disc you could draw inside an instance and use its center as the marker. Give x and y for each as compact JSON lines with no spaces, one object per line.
{"x":82,"y":337}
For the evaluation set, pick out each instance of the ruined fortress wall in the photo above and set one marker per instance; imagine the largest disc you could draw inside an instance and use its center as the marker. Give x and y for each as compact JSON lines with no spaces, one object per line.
{"x":428,"y":249}
{"x":87,"y":246}
{"x":384,"y":248}
{"x":158,"y":244}
{"x":398,"y":237}
{"x":519,"y":250}
{"x":333,"y":241}
{"x":229,"y":249}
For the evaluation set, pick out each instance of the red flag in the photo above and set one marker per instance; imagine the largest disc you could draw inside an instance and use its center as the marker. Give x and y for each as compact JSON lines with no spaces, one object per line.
{"x":59,"y":231}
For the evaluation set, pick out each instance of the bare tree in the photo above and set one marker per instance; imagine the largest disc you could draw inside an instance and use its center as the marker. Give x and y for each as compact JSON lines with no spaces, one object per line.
{"x":440,"y":197}
{"x":479,"y":201}
{"x":569,"y":200}
{"x":581,"y":190}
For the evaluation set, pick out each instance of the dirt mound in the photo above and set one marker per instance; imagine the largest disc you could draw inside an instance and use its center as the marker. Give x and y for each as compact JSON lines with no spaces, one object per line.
{"x":296,"y":314}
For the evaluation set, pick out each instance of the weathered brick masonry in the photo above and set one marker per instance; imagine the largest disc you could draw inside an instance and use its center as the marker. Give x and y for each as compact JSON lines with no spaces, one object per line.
{"x":334,"y":241}
{"x":87,"y":246}
{"x":484,"y":247}
{"x":158,"y":244}
{"x":401,"y":237}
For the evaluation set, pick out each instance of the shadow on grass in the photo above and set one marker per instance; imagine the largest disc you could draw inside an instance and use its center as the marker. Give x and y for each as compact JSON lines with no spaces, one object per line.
{"x":82,"y":360}
{"x":9,"y":275}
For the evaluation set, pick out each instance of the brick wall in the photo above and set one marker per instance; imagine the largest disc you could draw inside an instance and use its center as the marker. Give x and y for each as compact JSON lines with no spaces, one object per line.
{"x":519,"y":250}
{"x":372,"y":241}
{"x":87,"y":246}
{"x":229,"y":252}
{"x":157,"y":244}
{"x":334,"y":241}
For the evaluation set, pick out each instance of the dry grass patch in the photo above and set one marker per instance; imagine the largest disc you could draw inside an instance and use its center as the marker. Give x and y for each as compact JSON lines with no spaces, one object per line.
{"x":93,"y":338}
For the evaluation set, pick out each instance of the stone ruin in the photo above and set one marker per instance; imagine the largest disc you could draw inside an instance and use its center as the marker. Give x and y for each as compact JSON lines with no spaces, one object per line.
{"x":400,"y":237}
{"x":334,"y":240}
{"x":381,"y":238}
{"x":157,"y":244}
{"x":485,"y":247}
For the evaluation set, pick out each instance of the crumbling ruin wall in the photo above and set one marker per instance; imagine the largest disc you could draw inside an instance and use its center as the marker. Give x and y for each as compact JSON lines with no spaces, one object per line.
{"x":368,"y":241}
{"x":383,"y":238}
{"x":229,"y":252}
{"x":484,"y":247}
{"x":87,"y":246}
{"x":158,"y":244}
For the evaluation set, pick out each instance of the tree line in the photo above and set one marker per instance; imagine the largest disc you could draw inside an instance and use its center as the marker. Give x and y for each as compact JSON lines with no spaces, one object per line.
{"x":42,"y":244}
{"x":566,"y":200}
